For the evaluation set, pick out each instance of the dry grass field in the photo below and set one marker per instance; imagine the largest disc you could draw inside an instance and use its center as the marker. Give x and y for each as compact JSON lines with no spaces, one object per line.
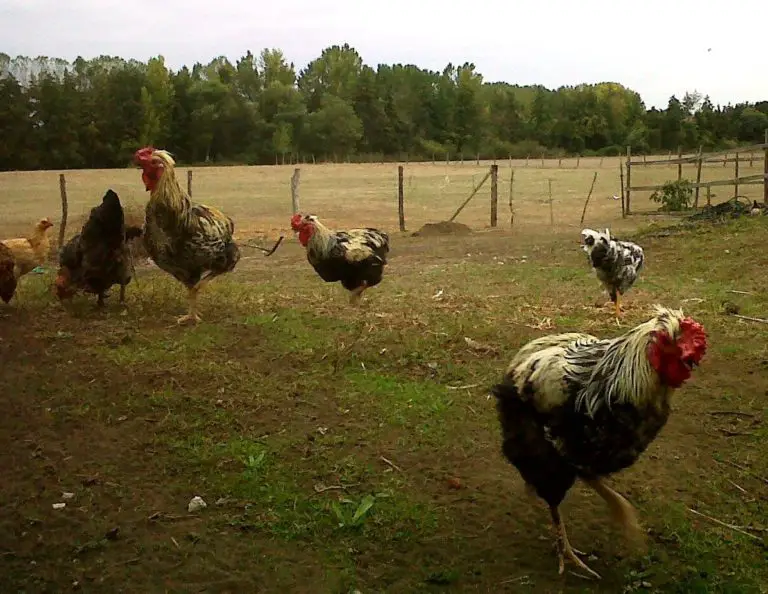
{"x":355,"y":450}
{"x":258,"y":198}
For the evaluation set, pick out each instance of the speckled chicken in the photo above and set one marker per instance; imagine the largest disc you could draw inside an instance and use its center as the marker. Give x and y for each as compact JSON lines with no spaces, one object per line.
{"x":192,"y":242}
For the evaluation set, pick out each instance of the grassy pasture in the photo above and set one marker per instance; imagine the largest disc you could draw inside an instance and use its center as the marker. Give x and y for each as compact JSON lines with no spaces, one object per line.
{"x":342,"y":450}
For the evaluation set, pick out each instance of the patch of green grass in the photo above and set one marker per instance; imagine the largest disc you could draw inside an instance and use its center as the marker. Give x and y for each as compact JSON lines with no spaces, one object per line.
{"x":692,"y":555}
{"x":279,"y":497}
{"x":418,"y":405}
{"x":292,"y":330}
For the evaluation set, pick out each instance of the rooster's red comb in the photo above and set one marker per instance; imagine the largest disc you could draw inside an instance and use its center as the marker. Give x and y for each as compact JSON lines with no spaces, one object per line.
{"x":143,"y":155}
{"x":296,"y":221}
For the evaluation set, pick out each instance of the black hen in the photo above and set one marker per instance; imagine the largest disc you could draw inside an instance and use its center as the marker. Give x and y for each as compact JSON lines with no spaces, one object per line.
{"x":7,"y":276}
{"x":99,"y":256}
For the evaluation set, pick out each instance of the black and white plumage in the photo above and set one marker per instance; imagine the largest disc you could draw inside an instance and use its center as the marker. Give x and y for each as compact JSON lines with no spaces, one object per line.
{"x":356,"y":258}
{"x":576,"y":406}
{"x":617,"y":263}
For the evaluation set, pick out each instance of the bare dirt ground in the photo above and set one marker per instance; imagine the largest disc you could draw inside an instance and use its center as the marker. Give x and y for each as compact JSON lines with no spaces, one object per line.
{"x":343,"y":450}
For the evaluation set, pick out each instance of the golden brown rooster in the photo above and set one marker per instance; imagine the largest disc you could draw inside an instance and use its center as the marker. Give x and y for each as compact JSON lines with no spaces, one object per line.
{"x":192,"y":242}
{"x":574,"y":406}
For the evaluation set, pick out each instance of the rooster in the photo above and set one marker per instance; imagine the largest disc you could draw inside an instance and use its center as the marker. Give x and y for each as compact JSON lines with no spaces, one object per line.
{"x":575,"y":406}
{"x":192,"y":242}
{"x":7,"y":276}
{"x":617,"y":263}
{"x":356,"y":257}
{"x":30,"y":252}
{"x":98,"y":257}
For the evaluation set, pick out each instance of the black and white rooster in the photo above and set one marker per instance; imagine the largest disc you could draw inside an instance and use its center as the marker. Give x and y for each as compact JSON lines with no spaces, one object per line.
{"x":356,"y":258}
{"x":617,"y":263}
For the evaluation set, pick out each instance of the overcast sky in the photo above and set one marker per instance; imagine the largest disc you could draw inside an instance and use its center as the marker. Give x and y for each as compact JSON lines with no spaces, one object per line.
{"x":550,"y":42}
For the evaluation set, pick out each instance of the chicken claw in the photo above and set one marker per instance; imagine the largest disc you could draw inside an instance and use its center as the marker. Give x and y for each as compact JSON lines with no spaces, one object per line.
{"x":564,"y":548}
{"x":191,"y":317}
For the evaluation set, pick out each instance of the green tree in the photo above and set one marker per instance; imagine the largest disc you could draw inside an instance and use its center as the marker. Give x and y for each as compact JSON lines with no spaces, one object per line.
{"x":334,"y":129}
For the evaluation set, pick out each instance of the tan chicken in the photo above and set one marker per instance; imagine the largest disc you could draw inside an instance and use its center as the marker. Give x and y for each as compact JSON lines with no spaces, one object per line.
{"x":30,"y":252}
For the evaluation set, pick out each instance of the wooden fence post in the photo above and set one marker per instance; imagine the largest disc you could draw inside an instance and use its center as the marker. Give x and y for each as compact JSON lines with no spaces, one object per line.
{"x":736,"y":176}
{"x":511,"y":207}
{"x":494,"y":194}
{"x":698,"y":177}
{"x":765,"y":168}
{"x":551,"y":208}
{"x":592,"y":187}
{"x":400,"y":197}
{"x":621,"y":178}
{"x":629,"y":180}
{"x":679,"y":163}
{"x":295,"y":180}
{"x":189,"y":183}
{"x":472,"y":195}
{"x":64,"y":209}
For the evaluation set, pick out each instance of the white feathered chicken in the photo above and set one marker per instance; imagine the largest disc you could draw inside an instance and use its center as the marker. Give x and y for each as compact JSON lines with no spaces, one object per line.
{"x":617,"y":263}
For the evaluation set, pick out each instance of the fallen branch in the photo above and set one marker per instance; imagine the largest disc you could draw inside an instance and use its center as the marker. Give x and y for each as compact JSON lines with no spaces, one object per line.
{"x":729,"y":433}
{"x":739,"y":292}
{"x":320,"y":488}
{"x":742,"y":489}
{"x":743,"y":469}
{"x":267,"y":252}
{"x":391,"y":464}
{"x":750,"y":318}
{"x":724,"y":525}
{"x":466,"y":387}
{"x":736,"y":413}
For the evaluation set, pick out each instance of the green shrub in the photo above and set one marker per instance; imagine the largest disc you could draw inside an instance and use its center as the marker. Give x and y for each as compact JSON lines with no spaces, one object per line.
{"x":675,"y":196}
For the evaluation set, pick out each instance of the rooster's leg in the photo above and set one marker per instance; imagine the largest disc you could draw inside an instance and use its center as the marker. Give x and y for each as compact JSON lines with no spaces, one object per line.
{"x":621,"y":509}
{"x":357,"y":294}
{"x":618,"y":305}
{"x":564,"y":548}
{"x":192,"y":316}
{"x":122,"y":294}
{"x":100,"y":300}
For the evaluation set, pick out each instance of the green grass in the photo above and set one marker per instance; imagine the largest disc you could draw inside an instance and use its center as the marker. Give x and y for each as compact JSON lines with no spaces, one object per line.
{"x":358,"y":448}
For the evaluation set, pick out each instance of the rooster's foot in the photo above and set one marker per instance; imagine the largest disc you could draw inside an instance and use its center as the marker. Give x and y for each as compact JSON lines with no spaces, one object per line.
{"x":192,"y":317}
{"x":564,"y":549}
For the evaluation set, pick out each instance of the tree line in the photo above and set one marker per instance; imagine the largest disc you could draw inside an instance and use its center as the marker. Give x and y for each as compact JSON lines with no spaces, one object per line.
{"x":94,"y":113}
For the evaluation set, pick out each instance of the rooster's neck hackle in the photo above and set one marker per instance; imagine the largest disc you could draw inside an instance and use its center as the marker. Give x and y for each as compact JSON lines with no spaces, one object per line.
{"x":322,"y":240}
{"x":168,"y":191}
{"x":623,"y":374}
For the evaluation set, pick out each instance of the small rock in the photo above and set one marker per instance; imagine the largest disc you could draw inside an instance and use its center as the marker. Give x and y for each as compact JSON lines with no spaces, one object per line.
{"x":66,"y":495}
{"x":59,"y":505}
{"x":196,"y":504}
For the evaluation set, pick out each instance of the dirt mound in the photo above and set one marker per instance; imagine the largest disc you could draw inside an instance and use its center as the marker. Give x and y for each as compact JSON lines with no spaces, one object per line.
{"x":443,"y":228}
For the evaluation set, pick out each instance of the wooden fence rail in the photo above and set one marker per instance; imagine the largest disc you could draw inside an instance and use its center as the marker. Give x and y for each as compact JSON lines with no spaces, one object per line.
{"x":699,"y":159}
